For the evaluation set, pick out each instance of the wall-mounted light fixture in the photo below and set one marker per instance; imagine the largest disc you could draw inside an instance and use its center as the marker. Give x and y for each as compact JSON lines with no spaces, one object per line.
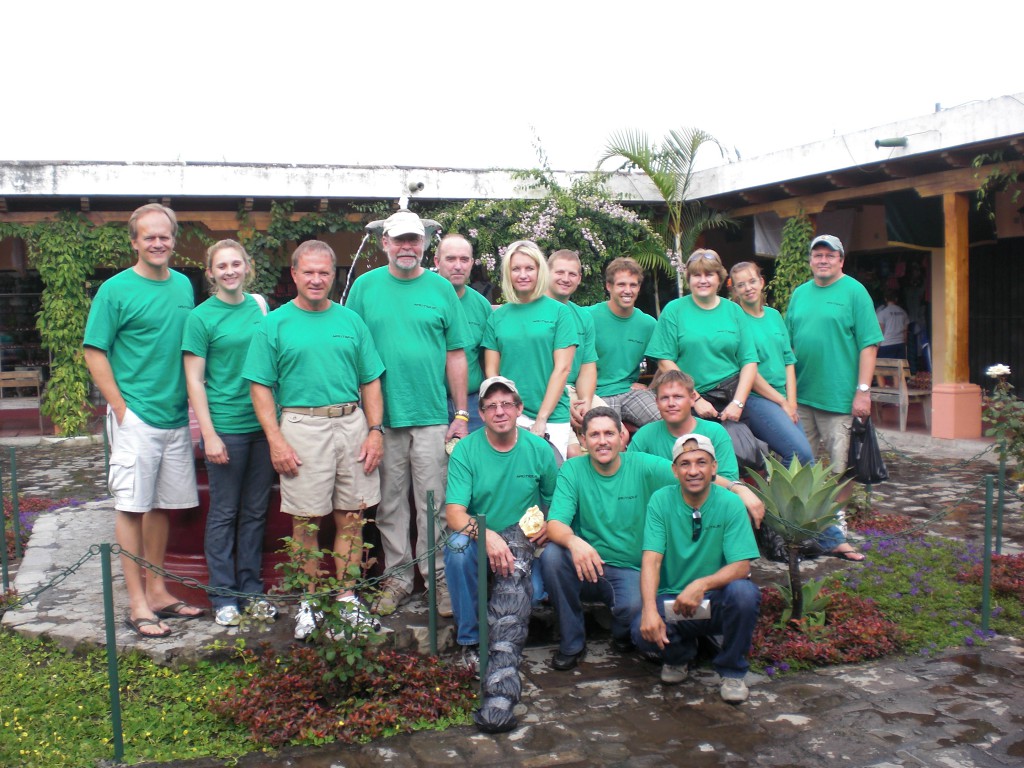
{"x":900,"y":141}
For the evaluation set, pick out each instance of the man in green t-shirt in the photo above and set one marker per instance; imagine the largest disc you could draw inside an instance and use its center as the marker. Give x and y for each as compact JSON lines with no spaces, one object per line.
{"x":420,"y":330}
{"x":132,"y":348}
{"x":499,"y":471}
{"x":566,"y":271}
{"x":694,"y":578}
{"x":319,"y":359}
{"x":831,"y":320}
{"x":454,"y":262}
{"x":622,"y":335}
{"x":595,"y":525}
{"x":675,"y":395}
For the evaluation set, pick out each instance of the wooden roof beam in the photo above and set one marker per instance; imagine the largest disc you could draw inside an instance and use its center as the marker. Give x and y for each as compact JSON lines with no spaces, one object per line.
{"x":957,"y":159}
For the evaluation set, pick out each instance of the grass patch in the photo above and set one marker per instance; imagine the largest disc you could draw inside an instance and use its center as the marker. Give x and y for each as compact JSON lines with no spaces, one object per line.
{"x":55,"y":708}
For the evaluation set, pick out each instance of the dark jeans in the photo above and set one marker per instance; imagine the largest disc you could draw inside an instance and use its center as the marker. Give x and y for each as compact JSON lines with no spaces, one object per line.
{"x":734,"y":612}
{"x":239,"y":495}
{"x":619,"y":589}
{"x":893,"y":351}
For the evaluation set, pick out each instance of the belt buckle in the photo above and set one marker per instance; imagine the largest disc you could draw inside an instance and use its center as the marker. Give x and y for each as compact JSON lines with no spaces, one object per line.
{"x":334,"y":411}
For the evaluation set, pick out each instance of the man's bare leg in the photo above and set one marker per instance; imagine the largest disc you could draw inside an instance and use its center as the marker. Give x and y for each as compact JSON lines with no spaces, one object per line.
{"x":128,"y":530}
{"x":348,"y":545}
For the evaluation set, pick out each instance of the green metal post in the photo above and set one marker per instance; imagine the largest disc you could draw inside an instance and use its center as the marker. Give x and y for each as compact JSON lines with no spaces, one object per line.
{"x":15,"y":511}
{"x":112,"y":677}
{"x":3,"y":539}
{"x":999,"y":503}
{"x":431,"y":575}
{"x":481,"y":598}
{"x":986,"y":577}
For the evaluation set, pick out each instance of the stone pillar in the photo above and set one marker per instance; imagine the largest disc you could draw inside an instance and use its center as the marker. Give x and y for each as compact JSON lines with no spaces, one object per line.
{"x":956,"y":403}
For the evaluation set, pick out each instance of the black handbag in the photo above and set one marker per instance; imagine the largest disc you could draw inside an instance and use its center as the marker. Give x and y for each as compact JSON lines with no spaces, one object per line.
{"x":722,"y":394}
{"x":750,"y":451}
{"x":865,"y":459}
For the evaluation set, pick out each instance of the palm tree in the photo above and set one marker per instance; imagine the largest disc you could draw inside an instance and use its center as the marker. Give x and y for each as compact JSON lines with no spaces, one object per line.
{"x":669,"y":166}
{"x":799,"y":503}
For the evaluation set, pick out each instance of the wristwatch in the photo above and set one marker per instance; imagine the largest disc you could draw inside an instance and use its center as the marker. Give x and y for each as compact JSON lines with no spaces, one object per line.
{"x":863,"y":387}
{"x":738,"y":404}
{"x":377,"y":428}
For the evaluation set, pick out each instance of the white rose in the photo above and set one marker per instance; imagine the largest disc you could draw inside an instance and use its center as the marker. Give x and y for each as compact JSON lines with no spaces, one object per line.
{"x":997,"y":371}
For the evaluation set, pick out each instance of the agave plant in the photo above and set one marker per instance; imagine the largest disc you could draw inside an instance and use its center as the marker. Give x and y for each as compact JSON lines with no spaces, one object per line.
{"x":800,"y":503}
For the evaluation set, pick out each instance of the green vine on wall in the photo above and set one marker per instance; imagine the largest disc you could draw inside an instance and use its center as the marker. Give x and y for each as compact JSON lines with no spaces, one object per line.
{"x":66,"y":252}
{"x":792,"y":268}
{"x":995,"y":181}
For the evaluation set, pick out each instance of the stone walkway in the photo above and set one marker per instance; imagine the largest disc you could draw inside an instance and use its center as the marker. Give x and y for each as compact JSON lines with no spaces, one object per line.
{"x":960,"y":709}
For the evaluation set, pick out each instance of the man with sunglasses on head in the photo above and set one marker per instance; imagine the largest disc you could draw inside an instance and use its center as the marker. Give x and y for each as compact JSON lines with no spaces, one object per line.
{"x":697,"y":548}
{"x":499,"y":471}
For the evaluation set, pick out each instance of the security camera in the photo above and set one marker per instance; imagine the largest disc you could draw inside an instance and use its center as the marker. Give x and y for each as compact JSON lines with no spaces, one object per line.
{"x":415,"y":185}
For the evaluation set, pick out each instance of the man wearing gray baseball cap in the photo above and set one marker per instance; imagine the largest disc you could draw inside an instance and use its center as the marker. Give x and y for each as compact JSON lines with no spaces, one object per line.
{"x":694,"y":574}
{"x":831,"y":321}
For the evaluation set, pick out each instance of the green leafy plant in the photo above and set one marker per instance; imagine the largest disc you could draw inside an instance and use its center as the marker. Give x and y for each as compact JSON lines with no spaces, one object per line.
{"x":998,"y":179}
{"x":290,"y":697}
{"x":814,"y":603}
{"x":342,"y":645}
{"x":792,"y":268}
{"x":800,"y":503}
{"x":670,"y":166}
{"x":1005,"y":412}
{"x":582,"y":218}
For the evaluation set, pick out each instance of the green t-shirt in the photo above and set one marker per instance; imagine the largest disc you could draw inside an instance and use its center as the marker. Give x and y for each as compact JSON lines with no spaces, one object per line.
{"x":829,"y":327}
{"x":585,"y":352}
{"x":414,"y":323}
{"x":774,"y":352}
{"x":477,"y":310}
{"x":220,"y":334}
{"x":501,"y":485}
{"x":608,"y":512}
{"x":709,"y":344}
{"x":620,"y":343}
{"x":655,"y":439}
{"x":726,"y":536}
{"x":138,"y":323}
{"x":526,"y":336}
{"x":312,"y":358}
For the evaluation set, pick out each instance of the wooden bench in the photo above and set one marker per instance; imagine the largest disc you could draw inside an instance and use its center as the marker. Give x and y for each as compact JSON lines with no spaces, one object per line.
{"x":18,"y":380}
{"x":891,"y":388}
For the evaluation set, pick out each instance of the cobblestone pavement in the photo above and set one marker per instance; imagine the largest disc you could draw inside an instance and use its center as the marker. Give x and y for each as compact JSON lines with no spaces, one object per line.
{"x":963,"y":708}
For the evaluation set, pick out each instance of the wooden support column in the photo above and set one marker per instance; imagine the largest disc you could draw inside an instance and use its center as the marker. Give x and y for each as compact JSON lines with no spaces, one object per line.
{"x":956,"y":403}
{"x":957,"y":274}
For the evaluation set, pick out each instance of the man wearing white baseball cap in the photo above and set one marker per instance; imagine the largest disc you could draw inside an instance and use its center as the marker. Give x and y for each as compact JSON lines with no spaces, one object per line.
{"x":694,"y":574}
{"x":420,"y":331}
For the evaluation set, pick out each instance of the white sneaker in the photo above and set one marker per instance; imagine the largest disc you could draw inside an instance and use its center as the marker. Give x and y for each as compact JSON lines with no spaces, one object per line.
{"x":734,"y":690}
{"x":357,"y":615}
{"x":227,"y":616}
{"x":262,"y":610}
{"x":306,"y":621}
{"x":674,"y":675}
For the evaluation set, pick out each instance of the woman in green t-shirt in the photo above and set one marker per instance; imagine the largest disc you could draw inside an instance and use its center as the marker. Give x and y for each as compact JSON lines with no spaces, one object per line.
{"x":215,"y":343}
{"x":531,"y":339}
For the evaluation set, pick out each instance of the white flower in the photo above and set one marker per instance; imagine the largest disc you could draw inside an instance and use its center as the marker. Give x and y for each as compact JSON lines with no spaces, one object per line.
{"x":997,"y":371}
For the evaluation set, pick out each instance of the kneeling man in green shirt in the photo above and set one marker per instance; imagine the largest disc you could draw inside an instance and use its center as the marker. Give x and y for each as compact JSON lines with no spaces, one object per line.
{"x":694,"y":574}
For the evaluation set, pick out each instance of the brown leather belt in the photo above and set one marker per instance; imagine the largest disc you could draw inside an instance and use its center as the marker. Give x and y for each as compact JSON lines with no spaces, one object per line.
{"x":330,"y":411}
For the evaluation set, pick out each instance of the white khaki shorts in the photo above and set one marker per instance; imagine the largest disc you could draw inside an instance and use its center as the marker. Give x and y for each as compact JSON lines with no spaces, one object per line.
{"x":150,"y":468}
{"x":331,"y":476}
{"x":831,"y":429}
{"x":558,"y":433}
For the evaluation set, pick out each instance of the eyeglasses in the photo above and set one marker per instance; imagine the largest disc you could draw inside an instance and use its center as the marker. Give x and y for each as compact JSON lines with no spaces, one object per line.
{"x":827,"y":255}
{"x":492,"y":407}
{"x":705,"y":255}
{"x":696,"y":523}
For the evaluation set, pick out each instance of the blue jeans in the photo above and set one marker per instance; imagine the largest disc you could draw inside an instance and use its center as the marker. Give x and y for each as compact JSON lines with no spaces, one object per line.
{"x":769,"y":422}
{"x":619,"y":589}
{"x":734,"y":611}
{"x":239,"y":496}
{"x":472,"y":405}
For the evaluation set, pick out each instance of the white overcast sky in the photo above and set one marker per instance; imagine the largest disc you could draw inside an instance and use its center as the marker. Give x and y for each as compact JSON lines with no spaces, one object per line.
{"x":467,"y":84}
